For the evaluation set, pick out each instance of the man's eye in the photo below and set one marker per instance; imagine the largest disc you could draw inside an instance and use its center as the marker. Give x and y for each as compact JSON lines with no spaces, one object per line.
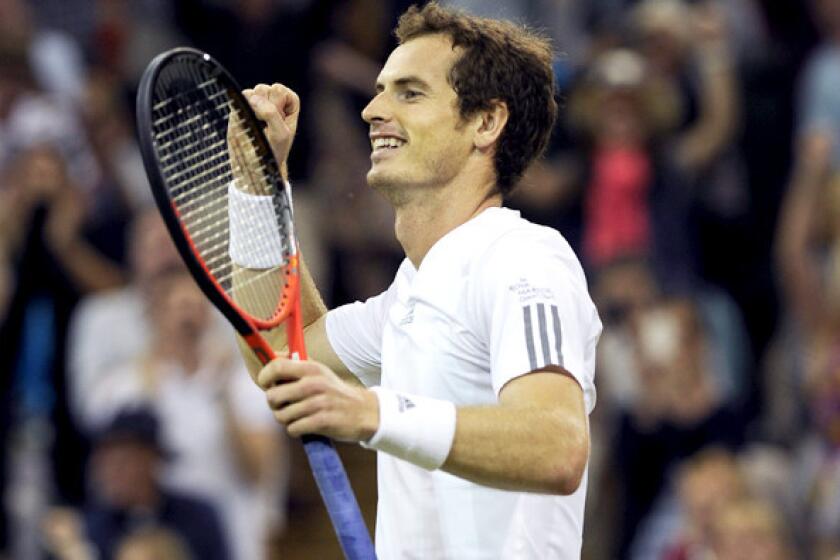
{"x":411,"y":94}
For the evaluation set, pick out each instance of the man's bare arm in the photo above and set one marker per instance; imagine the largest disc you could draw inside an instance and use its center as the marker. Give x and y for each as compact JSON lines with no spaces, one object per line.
{"x":279,"y":107}
{"x":535,"y":439}
{"x":314,"y":321}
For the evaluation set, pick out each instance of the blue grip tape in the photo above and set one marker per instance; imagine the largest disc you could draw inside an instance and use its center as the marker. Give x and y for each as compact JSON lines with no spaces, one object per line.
{"x":339,"y":498}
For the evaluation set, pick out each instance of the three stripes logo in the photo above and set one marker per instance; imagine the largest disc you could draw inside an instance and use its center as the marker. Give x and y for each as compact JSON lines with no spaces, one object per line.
{"x":543,"y":335}
{"x":405,"y":403}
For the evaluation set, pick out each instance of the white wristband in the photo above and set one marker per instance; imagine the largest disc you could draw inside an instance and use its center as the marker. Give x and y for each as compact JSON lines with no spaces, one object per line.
{"x":416,"y":429}
{"x":254,"y":240}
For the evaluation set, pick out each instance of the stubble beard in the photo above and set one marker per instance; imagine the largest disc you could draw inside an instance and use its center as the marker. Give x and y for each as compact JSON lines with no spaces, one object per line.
{"x":395,"y":189}
{"x":401,"y":188}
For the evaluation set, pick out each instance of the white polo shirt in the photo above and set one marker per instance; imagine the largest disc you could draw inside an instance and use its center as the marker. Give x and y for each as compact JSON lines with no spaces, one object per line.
{"x":494,"y":299}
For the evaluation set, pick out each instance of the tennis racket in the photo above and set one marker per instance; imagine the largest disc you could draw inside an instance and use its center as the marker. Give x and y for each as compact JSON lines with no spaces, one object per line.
{"x":227,"y":208}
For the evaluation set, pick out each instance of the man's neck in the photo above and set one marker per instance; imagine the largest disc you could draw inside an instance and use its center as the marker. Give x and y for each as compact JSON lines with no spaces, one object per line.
{"x":422,"y":220}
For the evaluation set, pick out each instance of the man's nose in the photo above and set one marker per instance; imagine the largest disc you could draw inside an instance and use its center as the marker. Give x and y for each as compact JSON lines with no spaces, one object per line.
{"x":376,"y":110}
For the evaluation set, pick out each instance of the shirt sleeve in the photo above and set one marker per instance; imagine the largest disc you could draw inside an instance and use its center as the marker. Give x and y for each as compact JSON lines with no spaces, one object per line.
{"x":355,"y":334}
{"x":535,"y":311}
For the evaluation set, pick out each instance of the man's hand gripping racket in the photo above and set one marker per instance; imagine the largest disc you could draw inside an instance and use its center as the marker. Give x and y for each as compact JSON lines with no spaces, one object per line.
{"x":221,"y":192}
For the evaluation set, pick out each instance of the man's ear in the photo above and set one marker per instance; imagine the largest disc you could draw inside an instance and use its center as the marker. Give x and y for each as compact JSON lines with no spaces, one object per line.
{"x":491,"y":123}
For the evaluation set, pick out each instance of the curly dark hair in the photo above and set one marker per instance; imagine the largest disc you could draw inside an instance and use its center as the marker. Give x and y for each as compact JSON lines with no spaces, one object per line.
{"x":500,"y":61}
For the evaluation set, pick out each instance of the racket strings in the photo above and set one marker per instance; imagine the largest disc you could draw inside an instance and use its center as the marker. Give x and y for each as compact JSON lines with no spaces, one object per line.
{"x":208,"y":143}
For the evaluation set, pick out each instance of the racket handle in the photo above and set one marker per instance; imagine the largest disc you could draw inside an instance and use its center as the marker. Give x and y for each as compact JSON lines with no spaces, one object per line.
{"x":331,"y":478}
{"x":329,"y":474}
{"x":339,"y":499}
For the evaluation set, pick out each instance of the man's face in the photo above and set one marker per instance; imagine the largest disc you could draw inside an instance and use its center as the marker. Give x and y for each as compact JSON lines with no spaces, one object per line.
{"x":417,"y":135}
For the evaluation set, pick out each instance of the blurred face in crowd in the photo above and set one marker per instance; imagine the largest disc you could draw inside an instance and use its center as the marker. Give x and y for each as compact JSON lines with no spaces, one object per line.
{"x":125,"y":473}
{"x":417,"y":134}
{"x":621,"y":117}
{"x":748,"y":529}
{"x":624,"y":289}
{"x":706,"y":487}
{"x":152,"y":250}
{"x":180,"y":311}
{"x":42,"y":173}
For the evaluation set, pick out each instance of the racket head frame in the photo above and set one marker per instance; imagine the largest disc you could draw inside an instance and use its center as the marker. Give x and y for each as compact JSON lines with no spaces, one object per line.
{"x":288,"y":299}
{"x":329,"y":475}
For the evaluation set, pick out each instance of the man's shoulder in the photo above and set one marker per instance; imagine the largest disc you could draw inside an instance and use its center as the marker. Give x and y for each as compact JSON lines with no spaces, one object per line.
{"x":499,"y":229}
{"x":522,"y":240}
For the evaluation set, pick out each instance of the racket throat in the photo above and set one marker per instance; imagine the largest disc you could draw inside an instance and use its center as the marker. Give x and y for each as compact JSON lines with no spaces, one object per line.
{"x":294,"y":334}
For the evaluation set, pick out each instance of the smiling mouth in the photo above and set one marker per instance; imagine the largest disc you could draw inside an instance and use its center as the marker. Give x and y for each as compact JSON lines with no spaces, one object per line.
{"x":382,"y":146}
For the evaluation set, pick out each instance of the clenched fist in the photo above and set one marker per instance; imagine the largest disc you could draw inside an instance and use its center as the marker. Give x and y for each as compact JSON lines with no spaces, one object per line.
{"x":278,"y":107}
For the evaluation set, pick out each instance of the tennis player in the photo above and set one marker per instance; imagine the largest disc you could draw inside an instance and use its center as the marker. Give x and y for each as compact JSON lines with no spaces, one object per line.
{"x":476,"y":364}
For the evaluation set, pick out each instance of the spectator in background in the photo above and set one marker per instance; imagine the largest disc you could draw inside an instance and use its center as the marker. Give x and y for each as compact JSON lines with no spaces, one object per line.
{"x":621,"y":290}
{"x":52,"y":261}
{"x":687,"y":46}
{"x":112,"y":327}
{"x":681,"y":406}
{"x":748,"y":528}
{"x":808,"y":240}
{"x":817,"y":470}
{"x":129,"y":497}
{"x":652,"y":133}
{"x":672,"y":374}
{"x":622,"y":110}
{"x":153,"y":544}
{"x":29,"y":117}
{"x":56,"y":60}
{"x":692,"y":46}
{"x":706,"y":484}
{"x":226,"y":447}
{"x":124,"y":188}
{"x":42,"y":199}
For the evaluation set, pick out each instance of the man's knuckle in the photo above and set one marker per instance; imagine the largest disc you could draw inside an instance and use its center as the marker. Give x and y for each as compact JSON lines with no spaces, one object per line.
{"x":322,"y":402}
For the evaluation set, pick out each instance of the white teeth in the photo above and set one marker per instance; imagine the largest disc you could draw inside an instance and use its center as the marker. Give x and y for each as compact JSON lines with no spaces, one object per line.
{"x":379,"y":143}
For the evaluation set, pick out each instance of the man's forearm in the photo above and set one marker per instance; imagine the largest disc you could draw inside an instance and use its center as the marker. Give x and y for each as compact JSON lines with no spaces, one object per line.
{"x":535,"y":439}
{"x":312,"y":308}
{"x":519,"y":448}
{"x":311,"y":303}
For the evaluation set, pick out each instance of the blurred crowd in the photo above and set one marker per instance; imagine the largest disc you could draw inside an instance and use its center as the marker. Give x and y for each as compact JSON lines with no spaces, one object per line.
{"x":695,"y":169}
